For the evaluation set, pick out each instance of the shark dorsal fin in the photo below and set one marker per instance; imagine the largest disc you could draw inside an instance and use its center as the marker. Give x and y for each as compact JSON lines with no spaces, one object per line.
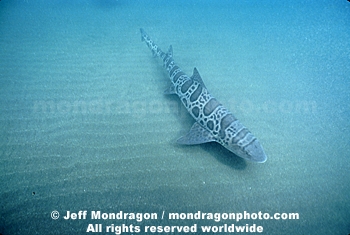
{"x":197,"y":77}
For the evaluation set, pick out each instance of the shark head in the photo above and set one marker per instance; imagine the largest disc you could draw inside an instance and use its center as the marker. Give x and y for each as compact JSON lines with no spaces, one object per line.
{"x":252,"y":151}
{"x":255,"y":152}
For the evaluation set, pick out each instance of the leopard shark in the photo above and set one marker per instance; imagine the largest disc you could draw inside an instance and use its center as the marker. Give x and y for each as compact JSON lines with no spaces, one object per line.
{"x":214,"y":123}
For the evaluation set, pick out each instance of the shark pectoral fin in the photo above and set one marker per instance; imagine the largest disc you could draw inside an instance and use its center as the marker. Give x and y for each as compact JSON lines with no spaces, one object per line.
{"x":195,"y":76}
{"x":197,"y":135}
{"x":170,"y":90}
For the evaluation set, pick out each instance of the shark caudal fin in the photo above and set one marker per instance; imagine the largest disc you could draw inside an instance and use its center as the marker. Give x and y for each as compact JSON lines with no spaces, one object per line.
{"x":170,"y":51}
{"x":143,"y":34}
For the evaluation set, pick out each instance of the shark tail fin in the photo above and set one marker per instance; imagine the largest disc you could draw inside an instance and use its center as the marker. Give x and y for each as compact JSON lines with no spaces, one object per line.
{"x":170,"y":51}
{"x":143,"y":34}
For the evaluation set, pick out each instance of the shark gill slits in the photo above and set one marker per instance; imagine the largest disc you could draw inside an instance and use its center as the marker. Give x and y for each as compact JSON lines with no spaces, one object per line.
{"x":210,"y":106}
{"x":186,"y":85}
{"x":195,"y":111}
{"x":196,"y":93}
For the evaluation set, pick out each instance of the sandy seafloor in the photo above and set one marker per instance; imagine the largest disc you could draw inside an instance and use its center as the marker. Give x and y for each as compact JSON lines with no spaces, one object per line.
{"x":85,"y":126}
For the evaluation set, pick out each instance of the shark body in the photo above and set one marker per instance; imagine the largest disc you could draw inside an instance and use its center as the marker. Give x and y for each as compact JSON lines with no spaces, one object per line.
{"x":213,"y":121}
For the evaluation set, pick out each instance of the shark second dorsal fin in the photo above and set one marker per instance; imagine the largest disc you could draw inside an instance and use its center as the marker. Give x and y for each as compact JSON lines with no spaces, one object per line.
{"x":197,"y":135}
{"x":196,"y":77}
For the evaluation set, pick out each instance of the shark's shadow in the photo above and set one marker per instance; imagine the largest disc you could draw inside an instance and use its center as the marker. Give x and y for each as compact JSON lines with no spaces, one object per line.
{"x":224,"y":156}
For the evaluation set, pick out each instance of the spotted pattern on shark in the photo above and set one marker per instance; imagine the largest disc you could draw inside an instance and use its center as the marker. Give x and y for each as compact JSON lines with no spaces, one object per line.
{"x":213,"y":121}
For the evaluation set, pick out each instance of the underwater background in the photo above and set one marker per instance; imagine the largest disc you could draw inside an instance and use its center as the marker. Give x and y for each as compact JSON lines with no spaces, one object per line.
{"x":85,"y":126}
